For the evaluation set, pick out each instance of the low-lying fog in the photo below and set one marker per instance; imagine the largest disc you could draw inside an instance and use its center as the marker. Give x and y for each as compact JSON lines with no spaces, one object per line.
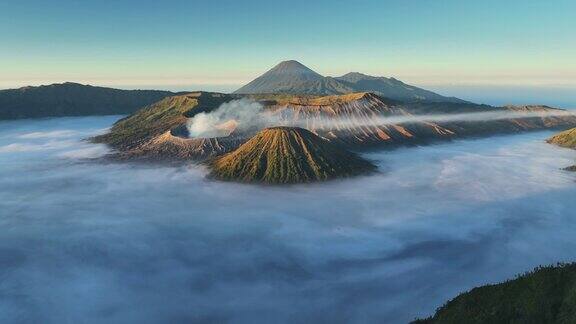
{"x":85,"y":242}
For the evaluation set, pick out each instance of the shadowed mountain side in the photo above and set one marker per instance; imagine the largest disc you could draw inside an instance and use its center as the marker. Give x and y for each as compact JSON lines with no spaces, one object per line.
{"x":73,"y":99}
{"x":282,"y":155}
{"x":546,"y":295}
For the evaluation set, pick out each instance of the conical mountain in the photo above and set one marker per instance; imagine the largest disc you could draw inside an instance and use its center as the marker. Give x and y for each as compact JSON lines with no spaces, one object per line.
{"x":280,"y":155}
{"x":295,"y":78}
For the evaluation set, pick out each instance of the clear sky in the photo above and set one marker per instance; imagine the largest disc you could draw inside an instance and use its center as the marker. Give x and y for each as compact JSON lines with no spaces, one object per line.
{"x":221,"y":44}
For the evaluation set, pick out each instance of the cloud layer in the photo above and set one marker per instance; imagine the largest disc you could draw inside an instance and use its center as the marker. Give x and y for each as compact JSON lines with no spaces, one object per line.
{"x":91,"y":242}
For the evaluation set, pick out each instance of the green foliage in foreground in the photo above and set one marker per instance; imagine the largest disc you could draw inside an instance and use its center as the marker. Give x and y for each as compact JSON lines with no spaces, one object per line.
{"x":545,"y":295}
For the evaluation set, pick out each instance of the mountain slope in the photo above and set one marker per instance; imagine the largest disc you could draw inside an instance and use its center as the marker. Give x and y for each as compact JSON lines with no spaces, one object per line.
{"x":294,"y":78}
{"x":159,"y":130}
{"x":287,"y":155}
{"x":73,"y":99}
{"x":392,"y":88}
{"x":546,"y":295}
{"x":565,"y":139}
{"x":158,"y":118}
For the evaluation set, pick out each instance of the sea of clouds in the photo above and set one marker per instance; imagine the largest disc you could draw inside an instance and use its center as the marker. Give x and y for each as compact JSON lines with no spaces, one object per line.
{"x":91,"y":242}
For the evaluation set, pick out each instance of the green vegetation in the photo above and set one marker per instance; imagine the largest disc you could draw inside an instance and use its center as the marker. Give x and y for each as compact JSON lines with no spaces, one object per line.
{"x":281,"y":155}
{"x":158,"y":118}
{"x":73,"y":99}
{"x":565,"y":139}
{"x":545,"y":295}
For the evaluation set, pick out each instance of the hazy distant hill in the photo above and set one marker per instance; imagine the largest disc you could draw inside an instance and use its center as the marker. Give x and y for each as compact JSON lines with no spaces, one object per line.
{"x":295,"y":78}
{"x":392,"y":88}
{"x":546,"y":295}
{"x":287,"y":155}
{"x":73,"y":99}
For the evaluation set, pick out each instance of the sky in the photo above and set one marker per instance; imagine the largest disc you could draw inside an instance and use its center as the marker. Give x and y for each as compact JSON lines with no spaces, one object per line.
{"x":219,"y":45}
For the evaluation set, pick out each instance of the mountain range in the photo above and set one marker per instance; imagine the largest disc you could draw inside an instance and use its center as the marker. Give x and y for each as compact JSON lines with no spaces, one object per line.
{"x":565,"y":139}
{"x":159,"y":131}
{"x":292,"y":77}
{"x":73,"y":99}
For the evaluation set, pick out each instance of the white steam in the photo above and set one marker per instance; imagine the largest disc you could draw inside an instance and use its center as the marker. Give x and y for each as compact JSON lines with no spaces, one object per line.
{"x":245,"y":114}
{"x":145,"y":244}
{"x":242,"y":115}
{"x":351,"y":122}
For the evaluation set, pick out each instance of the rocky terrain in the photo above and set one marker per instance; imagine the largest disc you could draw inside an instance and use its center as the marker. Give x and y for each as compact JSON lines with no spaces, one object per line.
{"x":565,"y":139}
{"x":546,"y":295}
{"x":159,"y":131}
{"x":282,"y":155}
{"x":73,"y":99}
{"x":293,"y":77}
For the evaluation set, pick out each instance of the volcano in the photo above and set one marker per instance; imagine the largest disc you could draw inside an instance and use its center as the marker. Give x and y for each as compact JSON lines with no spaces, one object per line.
{"x":292,"y":77}
{"x":281,"y":155}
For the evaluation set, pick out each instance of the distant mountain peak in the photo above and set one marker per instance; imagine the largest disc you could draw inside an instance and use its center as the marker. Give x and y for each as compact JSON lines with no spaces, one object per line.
{"x":293,"y":77}
{"x":292,"y":67}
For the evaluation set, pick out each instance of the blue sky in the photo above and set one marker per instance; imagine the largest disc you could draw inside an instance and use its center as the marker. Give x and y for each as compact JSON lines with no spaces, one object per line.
{"x":220,"y":44}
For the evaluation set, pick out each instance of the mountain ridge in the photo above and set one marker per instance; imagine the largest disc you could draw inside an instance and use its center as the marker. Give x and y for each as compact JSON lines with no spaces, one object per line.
{"x":159,"y":131}
{"x":73,"y":99}
{"x":293,"y":77}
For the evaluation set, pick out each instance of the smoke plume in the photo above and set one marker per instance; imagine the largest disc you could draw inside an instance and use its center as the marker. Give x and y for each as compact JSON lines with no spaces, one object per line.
{"x":241,"y":115}
{"x":246,"y":114}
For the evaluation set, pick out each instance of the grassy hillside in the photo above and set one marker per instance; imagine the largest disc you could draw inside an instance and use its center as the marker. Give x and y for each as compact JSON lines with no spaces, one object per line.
{"x":73,"y":99}
{"x":287,"y":155}
{"x":565,"y":139}
{"x":545,"y":295}
{"x":158,"y":118}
